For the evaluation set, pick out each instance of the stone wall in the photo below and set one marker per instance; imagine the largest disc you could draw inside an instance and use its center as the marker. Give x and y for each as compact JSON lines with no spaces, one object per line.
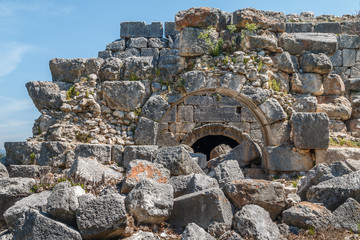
{"x":288,"y":81}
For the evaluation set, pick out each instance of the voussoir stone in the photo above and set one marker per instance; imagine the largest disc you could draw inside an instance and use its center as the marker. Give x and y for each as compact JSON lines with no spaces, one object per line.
{"x":101,"y":217}
{"x":268,"y":195}
{"x":316,"y":63}
{"x":194,"y":232}
{"x":35,"y":225}
{"x":201,"y":208}
{"x":150,"y":201}
{"x":126,"y":95}
{"x":252,"y":221}
{"x":177,"y":160}
{"x":141,"y":169}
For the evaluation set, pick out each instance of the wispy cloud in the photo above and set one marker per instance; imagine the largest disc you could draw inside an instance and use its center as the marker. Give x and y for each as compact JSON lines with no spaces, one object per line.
{"x":10,"y":106}
{"x":11,"y":55}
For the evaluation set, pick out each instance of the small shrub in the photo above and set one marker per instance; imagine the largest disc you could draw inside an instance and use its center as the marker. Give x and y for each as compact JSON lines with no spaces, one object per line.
{"x":274,"y":85}
{"x":312,"y":230}
{"x":133,"y":77}
{"x":215,"y":47}
{"x":218,"y":97}
{"x":260,"y":65}
{"x":72,"y":92}
{"x":32,"y":158}
{"x":250,"y":28}
{"x":137,"y":111}
{"x":231,"y":28}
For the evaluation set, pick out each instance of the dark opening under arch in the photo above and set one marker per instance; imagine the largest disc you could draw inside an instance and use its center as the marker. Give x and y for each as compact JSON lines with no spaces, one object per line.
{"x":206,"y":144}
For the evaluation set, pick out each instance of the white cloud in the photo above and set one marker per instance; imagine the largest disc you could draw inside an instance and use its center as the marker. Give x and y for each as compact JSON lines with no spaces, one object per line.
{"x":11,"y":55}
{"x":10,"y":106}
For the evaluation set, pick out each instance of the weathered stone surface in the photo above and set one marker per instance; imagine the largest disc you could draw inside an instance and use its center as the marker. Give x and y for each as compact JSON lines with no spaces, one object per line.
{"x":3,"y":171}
{"x":150,"y":52}
{"x":321,"y":172}
{"x":12,"y":190}
{"x":307,"y":83}
{"x":171,"y":65}
{"x":180,"y":184}
{"x":140,"y":68}
{"x":111,"y":69}
{"x":284,"y":158}
{"x":117,"y":45}
{"x":132,"y":29}
{"x":316,"y":63}
{"x":102,"y":217}
{"x":46,"y":95}
{"x":220,"y":150}
{"x":349,"y":41}
{"x":337,"y":59}
{"x":139,"y":42}
{"x":191,"y":45}
{"x":71,"y":70}
{"x":305,"y":103}
{"x":150,"y":201}
{"x":353,"y":164}
{"x":63,"y":202}
{"x":353,"y":126}
{"x":200,"y":182}
{"x":280,"y":132}
{"x":310,"y":130}
{"x":35,"y":201}
{"x":126,"y":95}
{"x":298,"y":43}
{"x":35,"y":225}
{"x":283,"y":62}
{"x":155,"y":108}
{"x":194,"y":232}
{"x":334,"y":192}
{"x":202,"y":17}
{"x":202,"y":208}
{"x":347,"y":216}
{"x":328,"y":27}
{"x":89,"y":170}
{"x":145,"y":152}
{"x":253,"y":221}
{"x":244,"y":153}
{"x":352,"y":84}
{"x":268,"y":195}
{"x":141,"y":169}
{"x":170,"y":30}
{"x":177,"y":160}
{"x":262,"y":19}
{"x":228,"y":171}
{"x":230,"y":235}
{"x":273,"y":110}
{"x":306,"y":215}
{"x":333,"y":85}
{"x":140,"y":235}
{"x":129,"y":52}
{"x":257,"y":95}
{"x":349,"y":57}
{"x":335,"y":106}
{"x":146,"y":132}
{"x":28,"y":171}
{"x":295,"y":27}
{"x":194,"y":80}
{"x":331,"y":155}
{"x":117,"y":154}
{"x":260,"y":42}
{"x":21,"y":153}
{"x":55,"y":154}
{"x":217,"y":229}
{"x":157,"y":43}
{"x":101,"y":152}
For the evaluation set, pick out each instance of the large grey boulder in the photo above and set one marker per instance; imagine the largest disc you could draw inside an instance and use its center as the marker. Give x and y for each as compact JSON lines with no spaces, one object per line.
{"x":307,"y":83}
{"x":125,"y":95}
{"x":102,"y":217}
{"x":334,"y":192}
{"x":273,"y":110}
{"x":36,"y":201}
{"x":12,"y":190}
{"x":268,"y":195}
{"x":28,"y":171}
{"x":101,"y":152}
{"x":177,"y":160}
{"x":253,"y":221}
{"x":141,"y":169}
{"x":310,"y":130}
{"x":63,"y":202}
{"x":200,"y":182}
{"x":146,"y":132}
{"x":194,"y":232}
{"x":150,"y":201}
{"x":321,"y":172}
{"x":35,"y":225}
{"x":140,"y":68}
{"x":111,"y":69}
{"x":347,"y":216}
{"x":244,"y":153}
{"x":180,"y":184}
{"x":70,"y":70}
{"x":3,"y":171}
{"x":46,"y":95}
{"x":155,"y":108}
{"x":316,"y":63}
{"x":89,"y":170}
{"x":298,"y":43}
{"x":228,"y":171}
{"x":284,"y":158}
{"x":139,"y":152}
{"x":284,"y":62}
{"x":191,"y":45}
{"x":201,"y":208}
{"x":307,"y":215}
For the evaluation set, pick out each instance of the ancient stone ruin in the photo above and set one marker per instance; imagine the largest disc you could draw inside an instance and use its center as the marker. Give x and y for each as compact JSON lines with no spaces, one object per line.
{"x":181,"y":131}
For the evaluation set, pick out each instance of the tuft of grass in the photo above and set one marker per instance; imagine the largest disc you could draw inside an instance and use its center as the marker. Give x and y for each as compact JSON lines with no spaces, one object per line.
{"x":260,"y":65}
{"x":137,"y":111}
{"x":218,"y":97}
{"x":72,"y":92}
{"x":133,"y":77}
{"x":231,"y":28}
{"x":249,"y":29}
{"x":32,"y":158}
{"x":343,"y":142}
{"x":215,"y":47}
{"x":312,"y":230}
{"x":274,"y":85}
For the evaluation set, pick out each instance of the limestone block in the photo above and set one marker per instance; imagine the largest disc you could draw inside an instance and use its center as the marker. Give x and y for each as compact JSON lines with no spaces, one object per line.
{"x":333,"y":85}
{"x":273,"y":110}
{"x":140,"y":152}
{"x":260,"y":18}
{"x":129,"y":52}
{"x":157,"y":43}
{"x":307,"y":83}
{"x":334,"y":106}
{"x":185,"y":113}
{"x":139,"y":68}
{"x":349,"y":41}
{"x":316,"y":63}
{"x":296,"y":27}
{"x":21,"y":153}
{"x":117,"y":154}
{"x":118,"y":45}
{"x":28,"y":171}
{"x":155,"y":108}
{"x":191,"y":45}
{"x":245,"y":153}
{"x":337,"y":59}
{"x":153,"y":30}
{"x":132,"y":29}
{"x":171,"y":65}
{"x":353,"y":127}
{"x":216,"y":114}
{"x":193,"y":231}
{"x":170,"y":29}
{"x":139,"y":42}
{"x":283,"y":62}
{"x":347,"y":216}
{"x":146,"y":132}
{"x":328,"y":27}
{"x":266,"y":42}
{"x":331,"y":155}
{"x":310,"y":130}
{"x":101,"y":152}
{"x":349,"y":57}
{"x":111,"y":69}
{"x":194,"y":80}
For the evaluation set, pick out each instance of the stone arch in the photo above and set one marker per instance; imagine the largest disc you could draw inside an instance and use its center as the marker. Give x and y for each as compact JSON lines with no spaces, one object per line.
{"x":243,"y":99}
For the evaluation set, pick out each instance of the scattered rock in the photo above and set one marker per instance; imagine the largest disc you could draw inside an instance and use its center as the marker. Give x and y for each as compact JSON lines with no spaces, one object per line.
{"x":155,"y":108}
{"x":220,"y":150}
{"x":347,"y":216}
{"x":140,"y":152}
{"x":146,"y":132}
{"x":180,"y":184}
{"x":140,"y":235}
{"x":228,"y":171}
{"x":194,"y":232}
{"x":28,"y":171}
{"x":244,"y":153}
{"x":200,"y":182}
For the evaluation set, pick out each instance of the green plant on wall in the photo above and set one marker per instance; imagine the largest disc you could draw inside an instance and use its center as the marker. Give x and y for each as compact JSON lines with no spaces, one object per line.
{"x":215,"y":46}
{"x":133,"y":77}
{"x":274,"y":85}
{"x":249,"y":29}
{"x":32,"y":158}
{"x":72,"y":92}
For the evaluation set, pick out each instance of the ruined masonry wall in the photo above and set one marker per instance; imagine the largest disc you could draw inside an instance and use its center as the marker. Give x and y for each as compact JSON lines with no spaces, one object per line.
{"x":287,"y":82}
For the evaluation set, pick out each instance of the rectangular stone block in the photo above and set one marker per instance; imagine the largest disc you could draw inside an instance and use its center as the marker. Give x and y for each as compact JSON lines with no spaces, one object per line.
{"x":132,"y":29}
{"x":139,"y":152}
{"x":117,"y":154}
{"x":331,"y":155}
{"x":299,"y":27}
{"x":185,"y":113}
{"x":155,"y":29}
{"x":216,"y":114}
{"x":150,"y":52}
{"x":170,"y":29}
{"x":199,"y":100}
{"x":101,"y":152}
{"x":165,"y":52}
{"x":328,"y":28}
{"x":336,"y":59}
{"x":310,"y":130}
{"x":171,"y":116}
{"x":349,"y":41}
{"x":220,"y":100}
{"x":349,"y":57}
{"x":139,"y":42}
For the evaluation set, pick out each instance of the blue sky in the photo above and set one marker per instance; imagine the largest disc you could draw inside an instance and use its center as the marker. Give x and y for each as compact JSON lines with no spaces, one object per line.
{"x":32,"y":32}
